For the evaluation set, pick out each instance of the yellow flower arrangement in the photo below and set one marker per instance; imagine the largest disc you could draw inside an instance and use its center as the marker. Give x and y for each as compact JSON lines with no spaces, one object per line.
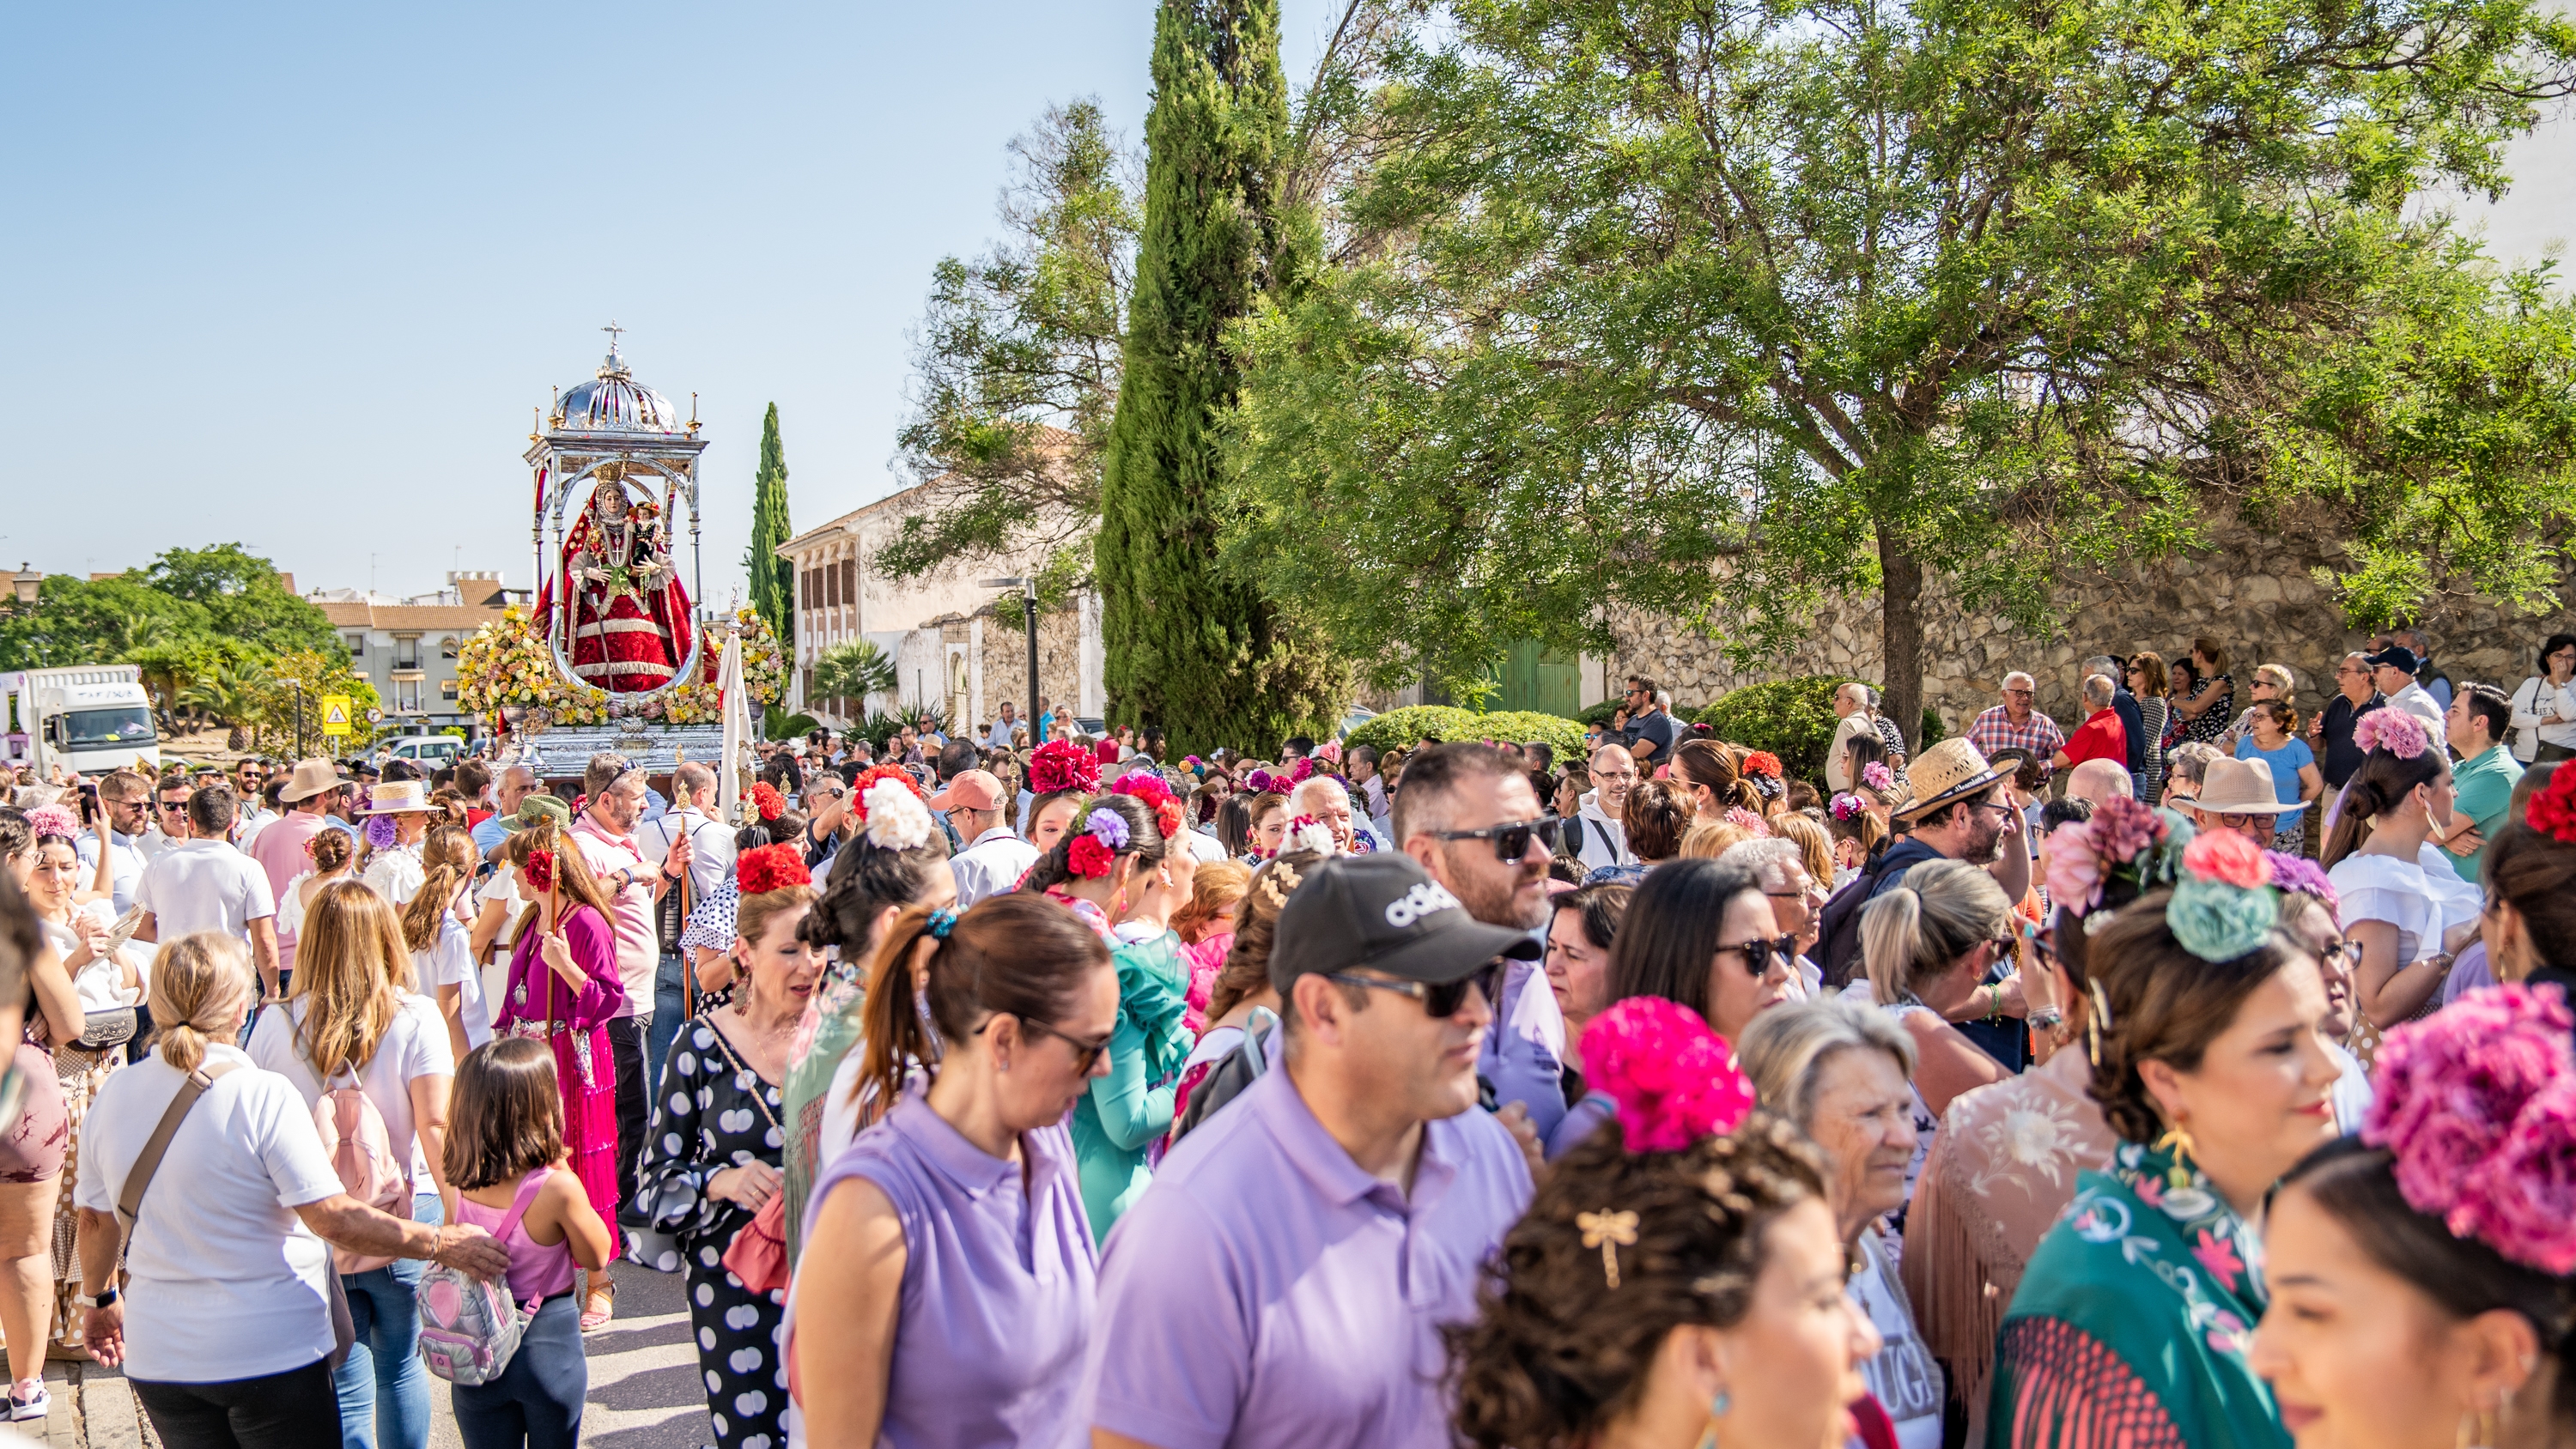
{"x":508,"y":663}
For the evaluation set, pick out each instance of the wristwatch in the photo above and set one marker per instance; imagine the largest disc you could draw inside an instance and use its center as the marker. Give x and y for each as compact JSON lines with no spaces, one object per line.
{"x":105,"y":1297}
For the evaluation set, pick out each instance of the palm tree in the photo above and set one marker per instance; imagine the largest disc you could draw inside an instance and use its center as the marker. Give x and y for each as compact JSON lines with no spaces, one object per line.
{"x":852,"y":671}
{"x":232,"y":695}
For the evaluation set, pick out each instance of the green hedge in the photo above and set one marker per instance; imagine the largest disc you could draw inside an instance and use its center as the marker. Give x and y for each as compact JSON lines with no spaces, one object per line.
{"x":1403,"y":728}
{"x":1792,"y":718}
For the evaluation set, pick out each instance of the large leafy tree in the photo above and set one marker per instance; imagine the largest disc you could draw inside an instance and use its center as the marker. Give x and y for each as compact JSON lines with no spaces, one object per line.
{"x":773,"y":579}
{"x":186,"y":611}
{"x":1193,"y":646}
{"x":1717,"y":308}
{"x":1017,"y":361}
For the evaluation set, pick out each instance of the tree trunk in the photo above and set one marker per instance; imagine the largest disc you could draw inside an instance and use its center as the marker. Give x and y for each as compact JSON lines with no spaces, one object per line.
{"x":1900,"y":630}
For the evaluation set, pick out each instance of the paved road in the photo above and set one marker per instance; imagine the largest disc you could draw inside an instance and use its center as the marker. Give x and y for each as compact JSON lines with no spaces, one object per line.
{"x":644,"y":1387}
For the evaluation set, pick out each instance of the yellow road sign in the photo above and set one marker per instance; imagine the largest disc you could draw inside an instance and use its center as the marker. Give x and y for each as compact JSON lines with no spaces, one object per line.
{"x":335,"y":714}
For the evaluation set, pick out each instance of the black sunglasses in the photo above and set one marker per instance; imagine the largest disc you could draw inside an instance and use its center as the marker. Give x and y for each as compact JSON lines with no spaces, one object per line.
{"x":1511,"y":842}
{"x":1086,"y":1054}
{"x":1758,"y":952}
{"x":1438,"y":1002}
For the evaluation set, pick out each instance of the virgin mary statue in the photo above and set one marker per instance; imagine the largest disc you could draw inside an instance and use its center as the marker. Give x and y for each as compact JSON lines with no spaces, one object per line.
{"x":625,"y":612}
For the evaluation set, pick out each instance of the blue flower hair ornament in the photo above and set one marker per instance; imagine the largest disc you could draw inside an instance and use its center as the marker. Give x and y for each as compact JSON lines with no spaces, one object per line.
{"x":2224,"y":906}
{"x":942,"y":921}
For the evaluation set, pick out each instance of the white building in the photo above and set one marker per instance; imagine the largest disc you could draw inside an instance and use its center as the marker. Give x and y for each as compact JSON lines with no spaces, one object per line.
{"x":407,"y":647}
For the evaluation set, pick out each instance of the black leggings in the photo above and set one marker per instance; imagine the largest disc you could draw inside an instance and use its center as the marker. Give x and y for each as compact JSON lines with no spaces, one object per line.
{"x":537,"y":1400}
{"x":297,"y":1409}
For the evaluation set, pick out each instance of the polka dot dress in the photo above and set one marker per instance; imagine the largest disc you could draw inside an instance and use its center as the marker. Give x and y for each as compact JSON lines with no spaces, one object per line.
{"x":715,"y":1114}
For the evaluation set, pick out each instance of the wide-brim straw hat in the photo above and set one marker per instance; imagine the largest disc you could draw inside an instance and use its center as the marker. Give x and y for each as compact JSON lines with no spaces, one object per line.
{"x":311,"y":778}
{"x":1950,"y":770}
{"x":2241,"y":787}
{"x":400,"y":797}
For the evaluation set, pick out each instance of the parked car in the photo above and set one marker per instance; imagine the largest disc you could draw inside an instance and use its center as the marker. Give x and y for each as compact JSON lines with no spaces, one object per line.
{"x":429,"y":751}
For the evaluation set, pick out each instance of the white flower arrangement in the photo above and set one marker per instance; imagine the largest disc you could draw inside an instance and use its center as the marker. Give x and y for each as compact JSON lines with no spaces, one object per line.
{"x":897,"y":820}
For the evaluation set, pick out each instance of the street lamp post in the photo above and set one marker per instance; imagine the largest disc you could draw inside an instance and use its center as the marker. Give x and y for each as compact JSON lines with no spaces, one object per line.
{"x":1029,"y":601}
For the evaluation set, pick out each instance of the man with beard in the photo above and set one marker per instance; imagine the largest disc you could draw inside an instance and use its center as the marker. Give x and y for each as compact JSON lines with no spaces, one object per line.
{"x":1468,"y":814}
{"x":1956,"y":810}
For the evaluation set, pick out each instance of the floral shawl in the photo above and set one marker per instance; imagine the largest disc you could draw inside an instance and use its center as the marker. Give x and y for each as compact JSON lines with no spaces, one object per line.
{"x":2132,"y":1324}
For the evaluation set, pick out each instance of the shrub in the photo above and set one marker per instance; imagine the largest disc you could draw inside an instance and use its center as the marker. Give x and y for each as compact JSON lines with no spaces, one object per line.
{"x":1792,"y":718}
{"x":1598,"y":714}
{"x":1934,"y":732}
{"x":1401,"y":729}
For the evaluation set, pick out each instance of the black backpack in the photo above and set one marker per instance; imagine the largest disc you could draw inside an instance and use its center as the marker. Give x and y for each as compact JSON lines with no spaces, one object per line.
{"x":1233,"y":1072}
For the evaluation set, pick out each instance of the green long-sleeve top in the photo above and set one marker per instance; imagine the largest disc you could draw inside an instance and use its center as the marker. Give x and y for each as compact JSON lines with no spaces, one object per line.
{"x":1117,"y":1123}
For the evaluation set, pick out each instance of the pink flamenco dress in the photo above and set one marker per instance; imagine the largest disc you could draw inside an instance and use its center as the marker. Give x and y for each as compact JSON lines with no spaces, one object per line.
{"x":538,"y":1004}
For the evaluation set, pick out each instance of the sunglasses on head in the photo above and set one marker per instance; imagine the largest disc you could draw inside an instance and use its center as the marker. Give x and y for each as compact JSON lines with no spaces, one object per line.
{"x":1757,"y":953}
{"x":1512,"y":841}
{"x":1439,"y":1002}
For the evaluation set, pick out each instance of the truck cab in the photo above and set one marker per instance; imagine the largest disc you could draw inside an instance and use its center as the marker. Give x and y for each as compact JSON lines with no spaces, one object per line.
{"x":92,"y":718}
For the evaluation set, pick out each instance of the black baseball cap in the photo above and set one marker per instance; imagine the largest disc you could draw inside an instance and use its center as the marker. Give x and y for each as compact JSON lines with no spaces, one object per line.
{"x":1384,"y":912}
{"x":2395,"y":656}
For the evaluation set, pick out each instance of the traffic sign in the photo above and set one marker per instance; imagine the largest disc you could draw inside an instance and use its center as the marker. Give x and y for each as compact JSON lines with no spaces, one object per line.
{"x":375,"y":716}
{"x":335,"y":714}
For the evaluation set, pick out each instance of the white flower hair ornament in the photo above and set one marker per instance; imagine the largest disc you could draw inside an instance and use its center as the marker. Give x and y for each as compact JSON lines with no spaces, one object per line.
{"x":897,"y":820}
{"x":1308,"y":833}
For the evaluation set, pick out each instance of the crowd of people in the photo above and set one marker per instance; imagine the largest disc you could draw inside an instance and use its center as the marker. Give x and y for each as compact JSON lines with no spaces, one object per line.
{"x":2050,"y":1085}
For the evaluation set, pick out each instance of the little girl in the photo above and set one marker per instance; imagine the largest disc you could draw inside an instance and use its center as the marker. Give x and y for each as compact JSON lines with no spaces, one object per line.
{"x":506,"y":1147}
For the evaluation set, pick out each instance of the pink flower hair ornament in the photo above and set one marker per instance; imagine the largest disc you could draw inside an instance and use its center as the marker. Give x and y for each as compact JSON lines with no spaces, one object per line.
{"x":1675,"y":1080}
{"x":2477,"y":1108}
{"x":1877,"y":776}
{"x":1848,"y":806}
{"x":53,"y":820}
{"x":2393,"y":730}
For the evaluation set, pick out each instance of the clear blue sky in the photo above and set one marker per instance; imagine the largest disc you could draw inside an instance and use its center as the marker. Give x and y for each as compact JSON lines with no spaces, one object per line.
{"x":296,"y":274}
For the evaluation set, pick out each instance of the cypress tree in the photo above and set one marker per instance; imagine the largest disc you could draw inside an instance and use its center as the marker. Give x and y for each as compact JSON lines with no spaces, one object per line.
{"x":1190,"y":646}
{"x":773,"y":579}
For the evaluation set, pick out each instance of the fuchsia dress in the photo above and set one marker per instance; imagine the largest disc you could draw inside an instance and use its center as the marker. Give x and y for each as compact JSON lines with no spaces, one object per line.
{"x":575,"y":1024}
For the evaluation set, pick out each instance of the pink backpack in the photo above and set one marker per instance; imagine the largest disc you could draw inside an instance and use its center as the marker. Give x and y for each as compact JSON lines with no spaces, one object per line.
{"x":361,"y":1152}
{"x":469,"y":1328}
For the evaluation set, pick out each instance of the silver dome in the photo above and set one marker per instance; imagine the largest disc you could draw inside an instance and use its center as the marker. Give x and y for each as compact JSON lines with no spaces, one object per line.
{"x":614,"y":402}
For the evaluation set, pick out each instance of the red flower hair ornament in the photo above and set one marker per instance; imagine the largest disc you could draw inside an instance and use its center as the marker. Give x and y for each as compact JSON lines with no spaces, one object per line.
{"x":1059,"y":766}
{"x":1150,"y":788}
{"x":2552,"y":811}
{"x":1675,"y":1080}
{"x":766,"y":800}
{"x":867,"y":781}
{"x":1762,"y":762}
{"x":541,"y":870}
{"x":771,"y":868}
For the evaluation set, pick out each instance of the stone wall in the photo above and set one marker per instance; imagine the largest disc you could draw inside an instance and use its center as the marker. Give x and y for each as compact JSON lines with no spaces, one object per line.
{"x":2251,"y":589}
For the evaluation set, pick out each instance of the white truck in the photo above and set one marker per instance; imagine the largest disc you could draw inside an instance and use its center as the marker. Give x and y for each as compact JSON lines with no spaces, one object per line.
{"x":91,"y":717}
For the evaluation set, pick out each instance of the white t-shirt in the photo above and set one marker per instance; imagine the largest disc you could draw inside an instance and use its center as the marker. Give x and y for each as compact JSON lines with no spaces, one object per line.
{"x":204,"y":885}
{"x":414,"y":1046}
{"x":396,"y":873}
{"x":227,"y":1280}
{"x":1904,"y":1377}
{"x":127,"y":870}
{"x":449,"y":961}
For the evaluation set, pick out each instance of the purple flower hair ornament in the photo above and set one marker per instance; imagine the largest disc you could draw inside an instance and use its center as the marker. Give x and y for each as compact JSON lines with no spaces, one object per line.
{"x":1106,"y":826}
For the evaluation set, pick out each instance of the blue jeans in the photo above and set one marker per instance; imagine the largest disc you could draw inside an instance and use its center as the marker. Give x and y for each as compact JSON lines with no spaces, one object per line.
{"x":670,"y":1009}
{"x":384,"y":1387}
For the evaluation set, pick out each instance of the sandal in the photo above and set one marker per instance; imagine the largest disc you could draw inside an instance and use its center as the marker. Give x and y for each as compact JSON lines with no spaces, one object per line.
{"x":598,"y":1308}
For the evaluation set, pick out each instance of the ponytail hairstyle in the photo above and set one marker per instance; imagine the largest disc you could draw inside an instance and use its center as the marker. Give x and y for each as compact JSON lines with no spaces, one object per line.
{"x":447,"y":854}
{"x":1709,"y":763}
{"x":1917,"y":930}
{"x":330,"y":850}
{"x":200,"y":986}
{"x":1092,"y":848}
{"x":351,"y":971}
{"x":2402,"y":757}
{"x":1018,"y":953}
{"x":1246,"y":972}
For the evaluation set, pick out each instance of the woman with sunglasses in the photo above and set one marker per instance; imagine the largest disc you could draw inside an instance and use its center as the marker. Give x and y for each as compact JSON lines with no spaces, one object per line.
{"x":714,"y":1155}
{"x":1701,"y":933}
{"x":1926,"y":945}
{"x":930,"y":1307}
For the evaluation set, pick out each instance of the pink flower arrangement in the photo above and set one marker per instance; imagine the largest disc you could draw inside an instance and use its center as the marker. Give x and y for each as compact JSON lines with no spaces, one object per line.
{"x":53,"y":820}
{"x":2122,"y":828}
{"x":1848,"y":806}
{"x":2394,"y":730}
{"x":2477,"y":1104}
{"x":2074,"y":873}
{"x":1674,"y":1079}
{"x":2227,"y":857}
{"x":1877,"y":776}
{"x":1330,"y":751}
{"x":1743,"y":819}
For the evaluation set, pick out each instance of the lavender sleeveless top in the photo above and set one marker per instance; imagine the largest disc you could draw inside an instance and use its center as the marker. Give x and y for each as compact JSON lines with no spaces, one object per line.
{"x":998,"y":1282}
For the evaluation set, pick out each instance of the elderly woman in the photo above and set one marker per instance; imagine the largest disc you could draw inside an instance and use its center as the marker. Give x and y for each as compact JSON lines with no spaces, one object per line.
{"x":1582,"y":926}
{"x":1780,"y":867}
{"x":2273,"y":684}
{"x":2190,"y":767}
{"x":1841,"y":1072}
{"x":1926,"y":945}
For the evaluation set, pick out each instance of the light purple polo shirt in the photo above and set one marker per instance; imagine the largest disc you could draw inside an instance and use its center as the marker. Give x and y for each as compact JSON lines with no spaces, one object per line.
{"x":998,"y":1283}
{"x":1266,"y":1291}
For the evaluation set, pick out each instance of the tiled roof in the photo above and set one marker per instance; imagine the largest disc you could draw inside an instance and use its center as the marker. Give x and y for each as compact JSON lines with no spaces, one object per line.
{"x":408,"y":616}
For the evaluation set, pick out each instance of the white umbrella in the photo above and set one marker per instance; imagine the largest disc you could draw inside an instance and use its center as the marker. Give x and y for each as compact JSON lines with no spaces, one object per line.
{"x":737,"y":728}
